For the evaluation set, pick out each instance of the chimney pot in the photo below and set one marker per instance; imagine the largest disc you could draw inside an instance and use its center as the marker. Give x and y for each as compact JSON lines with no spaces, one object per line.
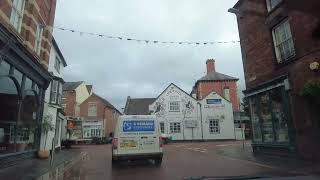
{"x":210,"y":66}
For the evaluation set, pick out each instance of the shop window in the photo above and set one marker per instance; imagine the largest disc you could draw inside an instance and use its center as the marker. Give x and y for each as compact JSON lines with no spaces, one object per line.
{"x":175,"y":127}
{"x":18,"y":75}
{"x":174,"y":106}
{"x":8,"y":114}
{"x":17,"y":14}
{"x":162,"y":127}
{"x":283,"y":42}
{"x":269,"y":118}
{"x":266,"y":118}
{"x":27,"y":84}
{"x":280,"y":119}
{"x":214,"y":127}
{"x":92,"y":109}
{"x":4,"y":68}
{"x":256,"y":128}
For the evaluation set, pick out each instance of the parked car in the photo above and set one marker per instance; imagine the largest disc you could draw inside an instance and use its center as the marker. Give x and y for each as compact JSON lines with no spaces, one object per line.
{"x":137,"y":137}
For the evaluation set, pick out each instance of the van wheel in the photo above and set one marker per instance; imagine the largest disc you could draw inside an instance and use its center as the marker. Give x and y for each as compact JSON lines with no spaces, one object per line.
{"x":158,"y":161}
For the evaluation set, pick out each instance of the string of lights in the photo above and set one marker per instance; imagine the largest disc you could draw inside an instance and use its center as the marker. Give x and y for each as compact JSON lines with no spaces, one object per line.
{"x":146,"y":41}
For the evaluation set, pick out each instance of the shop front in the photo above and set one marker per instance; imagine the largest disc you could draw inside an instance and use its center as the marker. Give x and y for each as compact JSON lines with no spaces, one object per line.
{"x":22,"y":84}
{"x":272,"y":127}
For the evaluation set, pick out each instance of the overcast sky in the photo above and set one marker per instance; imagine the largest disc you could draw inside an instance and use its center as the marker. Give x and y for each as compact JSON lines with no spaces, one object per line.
{"x":118,"y":69}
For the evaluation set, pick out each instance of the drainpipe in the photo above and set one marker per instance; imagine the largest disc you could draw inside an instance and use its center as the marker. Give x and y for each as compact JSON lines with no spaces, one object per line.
{"x":201,"y":120}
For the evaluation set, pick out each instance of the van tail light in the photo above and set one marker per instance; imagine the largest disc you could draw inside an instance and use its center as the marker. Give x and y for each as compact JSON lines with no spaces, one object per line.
{"x":160,"y":141}
{"x":114,"y":143}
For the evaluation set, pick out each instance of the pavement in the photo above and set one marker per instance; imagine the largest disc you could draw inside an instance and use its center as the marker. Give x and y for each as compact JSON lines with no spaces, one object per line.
{"x":180,"y":161}
{"x":34,"y":168}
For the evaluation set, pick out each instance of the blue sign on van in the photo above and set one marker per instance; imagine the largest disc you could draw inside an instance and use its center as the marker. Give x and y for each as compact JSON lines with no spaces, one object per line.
{"x":136,"y":126}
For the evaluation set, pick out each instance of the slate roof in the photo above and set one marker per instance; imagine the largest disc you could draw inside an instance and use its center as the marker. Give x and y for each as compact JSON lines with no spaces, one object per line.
{"x":138,"y":106}
{"x":69,"y":86}
{"x":215,"y":76}
{"x":107,"y":103}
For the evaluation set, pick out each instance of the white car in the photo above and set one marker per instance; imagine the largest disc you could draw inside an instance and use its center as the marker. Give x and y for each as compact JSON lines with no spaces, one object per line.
{"x":137,"y":137}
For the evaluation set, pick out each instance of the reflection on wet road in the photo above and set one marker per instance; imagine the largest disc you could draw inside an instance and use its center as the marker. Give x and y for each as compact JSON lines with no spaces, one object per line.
{"x":180,"y":161}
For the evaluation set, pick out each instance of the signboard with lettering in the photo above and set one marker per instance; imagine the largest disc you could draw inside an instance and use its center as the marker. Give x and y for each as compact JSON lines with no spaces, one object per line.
{"x":137,"y":126}
{"x":214,"y":101}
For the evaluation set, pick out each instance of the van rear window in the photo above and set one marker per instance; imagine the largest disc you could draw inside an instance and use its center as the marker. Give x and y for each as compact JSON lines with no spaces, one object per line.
{"x":136,"y":126}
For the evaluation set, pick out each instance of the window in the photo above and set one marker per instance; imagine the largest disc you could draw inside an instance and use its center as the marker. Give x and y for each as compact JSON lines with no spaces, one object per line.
{"x":283,"y":42}
{"x":214,"y":127}
{"x":56,"y":92}
{"x":57,"y":64}
{"x":226,"y":93}
{"x":64,"y":106}
{"x":175,"y":127}
{"x":37,"y":46}
{"x":17,"y":14}
{"x":162,"y":127}
{"x":174,"y":106}
{"x":271,"y":4}
{"x":92,"y":109}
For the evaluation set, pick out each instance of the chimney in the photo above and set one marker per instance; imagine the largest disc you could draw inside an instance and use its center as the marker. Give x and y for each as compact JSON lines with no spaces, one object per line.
{"x":210,"y":66}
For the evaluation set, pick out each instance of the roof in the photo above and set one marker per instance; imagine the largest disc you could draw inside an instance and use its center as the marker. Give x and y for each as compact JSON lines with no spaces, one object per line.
{"x":215,"y":76}
{"x":178,"y":88}
{"x":107,"y":103}
{"x":69,"y":86}
{"x":138,"y":106}
{"x":89,"y":88}
{"x":55,"y":45}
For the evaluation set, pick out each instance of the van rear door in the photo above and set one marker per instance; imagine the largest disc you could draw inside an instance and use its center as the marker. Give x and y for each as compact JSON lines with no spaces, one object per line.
{"x":138,"y":136}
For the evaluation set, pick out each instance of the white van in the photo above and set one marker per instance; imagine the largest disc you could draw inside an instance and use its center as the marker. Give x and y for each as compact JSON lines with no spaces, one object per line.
{"x":137,"y":137}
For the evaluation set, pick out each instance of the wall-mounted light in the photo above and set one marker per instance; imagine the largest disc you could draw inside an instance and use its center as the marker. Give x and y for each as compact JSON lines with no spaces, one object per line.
{"x":314,"y":66}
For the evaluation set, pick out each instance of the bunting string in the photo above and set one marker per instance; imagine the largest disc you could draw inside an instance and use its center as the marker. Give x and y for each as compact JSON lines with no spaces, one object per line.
{"x":146,"y":41}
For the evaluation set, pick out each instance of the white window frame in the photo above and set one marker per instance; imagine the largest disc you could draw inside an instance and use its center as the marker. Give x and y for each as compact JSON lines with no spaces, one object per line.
{"x":90,"y":105}
{"x":174,"y":106}
{"x":17,"y":14}
{"x":57,"y":64}
{"x":54,"y":91}
{"x":271,"y":4}
{"x":214,"y":126}
{"x":162,"y":128}
{"x":283,"y":41}
{"x":38,"y":38}
{"x":226,"y":93}
{"x":175,"y":127}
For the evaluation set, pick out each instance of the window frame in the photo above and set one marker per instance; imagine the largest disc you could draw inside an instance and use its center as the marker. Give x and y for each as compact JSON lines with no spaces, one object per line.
{"x":224,"y":93}
{"x":57,"y":64}
{"x":214,"y":126}
{"x":17,"y":14}
{"x":270,"y":8}
{"x":38,"y":38}
{"x":175,"y":127}
{"x":174,"y":106}
{"x":162,"y":128}
{"x":90,"y":104}
{"x":278,"y":45}
{"x":56,"y":94}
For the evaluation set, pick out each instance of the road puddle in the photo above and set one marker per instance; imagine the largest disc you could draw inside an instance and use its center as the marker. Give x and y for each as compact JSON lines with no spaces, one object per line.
{"x":69,"y":170}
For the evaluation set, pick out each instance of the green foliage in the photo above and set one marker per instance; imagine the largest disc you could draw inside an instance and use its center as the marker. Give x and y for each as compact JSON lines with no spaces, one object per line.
{"x":311,"y":88}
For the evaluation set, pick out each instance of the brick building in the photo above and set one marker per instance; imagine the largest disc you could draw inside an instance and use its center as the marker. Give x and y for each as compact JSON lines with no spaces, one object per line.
{"x":224,"y":85}
{"x":99,"y":117}
{"x":279,"y":43}
{"x":25,"y":44}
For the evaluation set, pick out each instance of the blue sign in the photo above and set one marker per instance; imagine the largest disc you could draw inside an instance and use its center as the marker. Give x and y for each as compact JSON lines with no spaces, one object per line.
{"x":214,"y":101}
{"x":136,"y":126}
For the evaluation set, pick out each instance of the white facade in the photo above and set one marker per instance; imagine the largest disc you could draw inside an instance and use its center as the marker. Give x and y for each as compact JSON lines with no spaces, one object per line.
{"x":217,"y":117}
{"x":184,"y":118}
{"x":52,"y":106}
{"x":175,"y":109}
{"x":82,"y":94}
{"x":92,"y":129}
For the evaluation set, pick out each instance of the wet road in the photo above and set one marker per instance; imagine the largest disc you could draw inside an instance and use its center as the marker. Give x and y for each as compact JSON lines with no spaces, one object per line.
{"x":180,"y":161}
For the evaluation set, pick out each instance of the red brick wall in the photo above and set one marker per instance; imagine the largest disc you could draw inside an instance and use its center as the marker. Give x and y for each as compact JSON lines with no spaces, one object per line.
{"x":205,"y":88}
{"x":103,"y":113}
{"x":260,"y":65}
{"x":70,"y":101}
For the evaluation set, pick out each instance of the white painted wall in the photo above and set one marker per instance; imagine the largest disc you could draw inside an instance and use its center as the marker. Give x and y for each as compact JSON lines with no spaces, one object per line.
{"x":48,"y":108}
{"x":221,"y":111}
{"x":173,"y":93}
{"x":81,"y":95}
